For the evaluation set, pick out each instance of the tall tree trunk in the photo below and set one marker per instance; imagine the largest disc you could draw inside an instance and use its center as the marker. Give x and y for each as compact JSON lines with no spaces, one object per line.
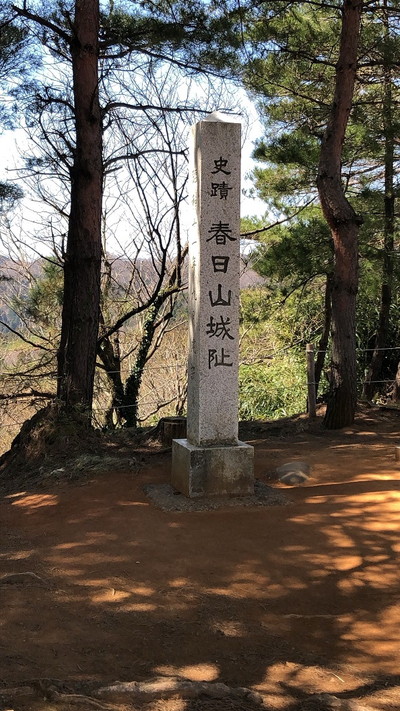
{"x":81,"y":307}
{"x":344,"y":225}
{"x":374,"y":371}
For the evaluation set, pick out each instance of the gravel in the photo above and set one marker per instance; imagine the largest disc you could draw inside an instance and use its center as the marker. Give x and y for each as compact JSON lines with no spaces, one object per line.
{"x":166,"y":498}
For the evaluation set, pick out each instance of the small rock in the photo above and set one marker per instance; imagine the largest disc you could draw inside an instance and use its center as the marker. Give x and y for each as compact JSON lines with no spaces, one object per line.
{"x":293,"y":473}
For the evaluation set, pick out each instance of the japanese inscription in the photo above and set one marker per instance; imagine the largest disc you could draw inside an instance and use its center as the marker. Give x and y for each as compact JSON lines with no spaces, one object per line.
{"x":221,"y":232}
{"x":218,"y":358}
{"x":220,"y":263}
{"x":220,"y":300}
{"x":219,"y":328}
{"x":221,"y":235}
{"x":220,"y":165}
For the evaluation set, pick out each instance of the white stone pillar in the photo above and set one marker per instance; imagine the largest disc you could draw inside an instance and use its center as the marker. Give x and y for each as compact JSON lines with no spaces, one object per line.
{"x":212,"y":461}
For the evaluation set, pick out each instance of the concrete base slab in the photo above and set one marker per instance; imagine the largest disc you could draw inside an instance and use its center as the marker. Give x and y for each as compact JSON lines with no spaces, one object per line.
{"x":212,"y":471}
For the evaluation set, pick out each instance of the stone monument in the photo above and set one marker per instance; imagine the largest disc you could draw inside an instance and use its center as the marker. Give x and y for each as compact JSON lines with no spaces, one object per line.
{"x":212,"y":461}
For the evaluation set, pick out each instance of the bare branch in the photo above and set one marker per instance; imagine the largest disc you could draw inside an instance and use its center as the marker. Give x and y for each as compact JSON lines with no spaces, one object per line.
{"x":26,"y":340}
{"x":24,"y":12}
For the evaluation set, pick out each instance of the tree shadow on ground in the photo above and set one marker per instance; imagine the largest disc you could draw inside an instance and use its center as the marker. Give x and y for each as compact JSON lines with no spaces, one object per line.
{"x":279,"y":599}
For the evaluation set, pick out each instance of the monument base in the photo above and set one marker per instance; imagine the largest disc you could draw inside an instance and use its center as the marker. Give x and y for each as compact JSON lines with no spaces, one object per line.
{"x":212,"y":471}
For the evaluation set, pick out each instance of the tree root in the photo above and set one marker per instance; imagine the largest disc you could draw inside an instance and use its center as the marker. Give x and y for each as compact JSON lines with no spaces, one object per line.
{"x":108,"y":698}
{"x":167,"y":687}
{"x":25,"y":577}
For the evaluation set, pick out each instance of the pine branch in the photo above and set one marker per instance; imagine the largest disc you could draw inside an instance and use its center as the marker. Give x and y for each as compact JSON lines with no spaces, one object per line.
{"x":24,"y":12}
{"x":278,"y":222}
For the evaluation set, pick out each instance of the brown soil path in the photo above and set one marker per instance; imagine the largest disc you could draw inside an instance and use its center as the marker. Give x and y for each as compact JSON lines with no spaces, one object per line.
{"x":290,"y":601}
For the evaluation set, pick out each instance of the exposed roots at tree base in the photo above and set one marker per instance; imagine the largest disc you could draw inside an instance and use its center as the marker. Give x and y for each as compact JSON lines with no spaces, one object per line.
{"x":135,"y":695}
{"x":142,"y":692}
{"x":47,"y":438}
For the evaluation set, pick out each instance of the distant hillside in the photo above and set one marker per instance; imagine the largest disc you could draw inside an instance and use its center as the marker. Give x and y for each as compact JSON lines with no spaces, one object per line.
{"x":249,"y":278}
{"x":141,"y":276}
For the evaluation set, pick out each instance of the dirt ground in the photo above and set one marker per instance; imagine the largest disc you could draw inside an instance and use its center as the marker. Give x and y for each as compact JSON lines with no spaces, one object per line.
{"x":299,"y":603}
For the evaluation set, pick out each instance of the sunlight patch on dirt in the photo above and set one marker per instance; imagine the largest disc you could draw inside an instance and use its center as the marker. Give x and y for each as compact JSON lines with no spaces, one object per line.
{"x":167,"y":705}
{"x":35,"y":501}
{"x":194,"y":672}
{"x":298,"y":676}
{"x":110,"y":595}
{"x":17,"y":555}
{"x":133,"y":503}
{"x":369,"y":640}
{"x":139,"y":607}
{"x":381,"y":475}
{"x":178,"y":582}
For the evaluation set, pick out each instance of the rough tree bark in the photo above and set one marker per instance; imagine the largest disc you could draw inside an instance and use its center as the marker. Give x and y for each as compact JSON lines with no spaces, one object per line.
{"x":374,"y":371}
{"x":344,"y":224}
{"x":81,"y":307}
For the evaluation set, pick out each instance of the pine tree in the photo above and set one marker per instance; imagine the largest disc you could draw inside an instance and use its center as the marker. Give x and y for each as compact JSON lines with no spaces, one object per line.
{"x":296,"y":78}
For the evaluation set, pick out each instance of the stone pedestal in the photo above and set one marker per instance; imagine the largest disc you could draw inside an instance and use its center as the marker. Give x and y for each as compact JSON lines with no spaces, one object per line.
{"x":212,"y":471}
{"x":212,"y":461}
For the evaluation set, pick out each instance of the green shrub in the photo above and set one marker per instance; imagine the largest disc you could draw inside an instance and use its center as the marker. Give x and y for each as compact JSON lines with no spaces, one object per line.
{"x":276,"y":388}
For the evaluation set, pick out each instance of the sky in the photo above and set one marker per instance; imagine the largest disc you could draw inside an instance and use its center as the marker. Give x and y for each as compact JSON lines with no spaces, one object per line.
{"x":13,"y":145}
